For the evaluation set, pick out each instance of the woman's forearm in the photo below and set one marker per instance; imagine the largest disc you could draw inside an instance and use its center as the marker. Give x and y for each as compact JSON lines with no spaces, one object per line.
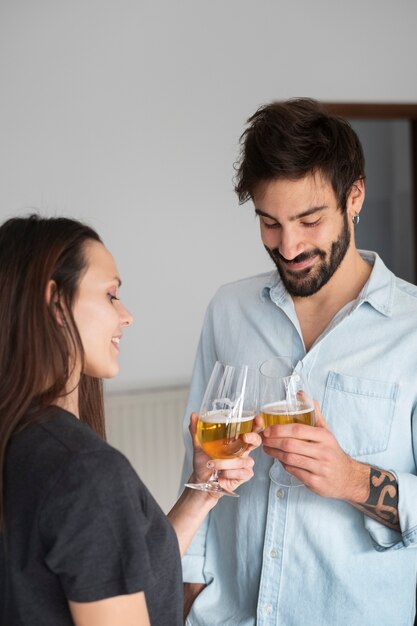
{"x":188,"y":513}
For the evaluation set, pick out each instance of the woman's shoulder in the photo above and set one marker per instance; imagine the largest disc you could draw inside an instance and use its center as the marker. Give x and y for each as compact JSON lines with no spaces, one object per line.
{"x":58,"y":440}
{"x":64,"y":430}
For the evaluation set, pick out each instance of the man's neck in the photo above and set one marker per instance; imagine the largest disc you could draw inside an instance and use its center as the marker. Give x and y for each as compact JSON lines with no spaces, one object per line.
{"x":316,"y":312}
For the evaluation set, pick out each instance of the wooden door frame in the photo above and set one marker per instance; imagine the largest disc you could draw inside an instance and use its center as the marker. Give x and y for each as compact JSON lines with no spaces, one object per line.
{"x":387,"y":111}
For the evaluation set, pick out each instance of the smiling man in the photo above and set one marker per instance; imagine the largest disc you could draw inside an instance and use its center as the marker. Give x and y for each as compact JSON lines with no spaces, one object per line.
{"x":303,"y":271}
{"x":337,"y":550}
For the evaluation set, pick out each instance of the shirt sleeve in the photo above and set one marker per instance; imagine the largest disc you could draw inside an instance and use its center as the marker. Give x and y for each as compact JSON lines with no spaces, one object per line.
{"x":193,"y":560}
{"x":93,"y":526}
{"x":384,"y":538}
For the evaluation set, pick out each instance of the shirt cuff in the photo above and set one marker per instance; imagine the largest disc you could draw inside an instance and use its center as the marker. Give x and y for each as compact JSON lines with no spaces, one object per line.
{"x":192,"y":568}
{"x":384,"y":538}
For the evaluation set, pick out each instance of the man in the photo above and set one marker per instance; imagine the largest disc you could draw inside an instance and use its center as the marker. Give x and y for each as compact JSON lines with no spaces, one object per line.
{"x":339,"y":549}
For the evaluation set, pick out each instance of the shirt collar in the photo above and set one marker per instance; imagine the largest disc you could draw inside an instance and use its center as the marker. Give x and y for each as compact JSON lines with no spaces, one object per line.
{"x":378,"y":291}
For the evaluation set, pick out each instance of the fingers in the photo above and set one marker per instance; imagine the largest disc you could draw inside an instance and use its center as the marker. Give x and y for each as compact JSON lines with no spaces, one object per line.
{"x":258,"y":424}
{"x":238,"y":474}
{"x":320,"y":421}
{"x":294,"y":431}
{"x":236,"y":464}
{"x":292,"y":447}
{"x":293,"y":460}
{"x":193,"y":424}
{"x":253,"y":440}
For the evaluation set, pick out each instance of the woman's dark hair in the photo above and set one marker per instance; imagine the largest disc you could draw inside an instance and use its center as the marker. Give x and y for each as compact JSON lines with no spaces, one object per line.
{"x":36,"y":351}
{"x":293,"y":139}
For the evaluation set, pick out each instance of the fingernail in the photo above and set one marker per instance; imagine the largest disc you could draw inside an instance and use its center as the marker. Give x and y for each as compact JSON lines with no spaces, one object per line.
{"x":210,"y":464}
{"x":267,"y":432}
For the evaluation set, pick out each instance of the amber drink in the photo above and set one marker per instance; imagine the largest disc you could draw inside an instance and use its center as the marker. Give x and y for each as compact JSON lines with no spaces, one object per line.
{"x":220,"y":435}
{"x":281,"y":413}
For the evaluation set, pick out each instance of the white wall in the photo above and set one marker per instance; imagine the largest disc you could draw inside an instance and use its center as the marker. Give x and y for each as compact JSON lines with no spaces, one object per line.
{"x":127,"y":113}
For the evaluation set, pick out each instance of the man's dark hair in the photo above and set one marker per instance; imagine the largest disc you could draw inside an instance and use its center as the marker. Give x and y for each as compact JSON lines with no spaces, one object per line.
{"x":296,"y":138}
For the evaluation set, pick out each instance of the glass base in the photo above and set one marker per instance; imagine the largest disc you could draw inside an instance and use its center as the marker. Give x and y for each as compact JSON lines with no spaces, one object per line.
{"x":212,"y":487}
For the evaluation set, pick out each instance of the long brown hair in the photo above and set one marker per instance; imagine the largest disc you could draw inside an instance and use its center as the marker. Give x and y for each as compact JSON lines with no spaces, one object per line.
{"x":35,"y":350}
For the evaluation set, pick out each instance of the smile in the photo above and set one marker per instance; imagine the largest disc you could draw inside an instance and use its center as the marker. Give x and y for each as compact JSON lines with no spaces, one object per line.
{"x":302,"y":265}
{"x":115,"y":341}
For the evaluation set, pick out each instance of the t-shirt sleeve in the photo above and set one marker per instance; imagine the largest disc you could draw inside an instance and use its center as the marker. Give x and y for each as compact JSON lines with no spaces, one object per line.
{"x":94,"y":528}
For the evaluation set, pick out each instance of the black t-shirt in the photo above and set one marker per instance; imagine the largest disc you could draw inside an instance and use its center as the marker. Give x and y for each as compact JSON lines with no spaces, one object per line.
{"x":81,"y":526}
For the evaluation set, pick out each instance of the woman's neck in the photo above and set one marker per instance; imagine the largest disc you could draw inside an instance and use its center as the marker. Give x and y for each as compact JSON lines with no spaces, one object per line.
{"x":69,"y":402}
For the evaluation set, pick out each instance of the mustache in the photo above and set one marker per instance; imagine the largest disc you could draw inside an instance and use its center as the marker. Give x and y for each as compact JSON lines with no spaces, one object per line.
{"x":304,"y":256}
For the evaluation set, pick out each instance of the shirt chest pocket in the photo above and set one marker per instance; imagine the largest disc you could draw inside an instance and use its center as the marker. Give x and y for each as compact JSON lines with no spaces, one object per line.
{"x":359,"y":412}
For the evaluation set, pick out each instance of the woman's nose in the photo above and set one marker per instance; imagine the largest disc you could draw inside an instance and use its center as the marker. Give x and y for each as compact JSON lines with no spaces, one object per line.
{"x":125,"y":315}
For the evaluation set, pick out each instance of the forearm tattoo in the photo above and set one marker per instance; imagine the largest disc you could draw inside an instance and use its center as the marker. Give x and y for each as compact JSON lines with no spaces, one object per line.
{"x":382,"y":502}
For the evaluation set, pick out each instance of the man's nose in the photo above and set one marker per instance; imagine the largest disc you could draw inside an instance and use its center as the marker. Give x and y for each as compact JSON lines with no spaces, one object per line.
{"x":290,"y":245}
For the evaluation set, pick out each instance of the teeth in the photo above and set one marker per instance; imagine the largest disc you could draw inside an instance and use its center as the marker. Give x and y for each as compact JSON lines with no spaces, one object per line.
{"x":116,"y":339}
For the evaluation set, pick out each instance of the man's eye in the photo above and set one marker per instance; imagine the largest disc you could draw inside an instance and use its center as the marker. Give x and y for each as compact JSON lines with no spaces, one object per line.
{"x":112,"y":297}
{"x":311,"y":224}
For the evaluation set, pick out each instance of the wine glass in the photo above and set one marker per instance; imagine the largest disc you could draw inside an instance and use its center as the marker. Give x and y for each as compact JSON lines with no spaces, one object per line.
{"x":284,"y":399}
{"x":226,"y":414}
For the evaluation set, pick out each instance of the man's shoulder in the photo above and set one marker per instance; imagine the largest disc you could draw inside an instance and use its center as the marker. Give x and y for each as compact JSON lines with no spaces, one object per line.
{"x":407,"y":289}
{"x":252,"y":285}
{"x":388,"y":291}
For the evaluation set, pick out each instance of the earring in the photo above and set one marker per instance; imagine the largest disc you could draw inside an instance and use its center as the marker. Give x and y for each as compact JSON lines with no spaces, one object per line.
{"x":355,"y":220}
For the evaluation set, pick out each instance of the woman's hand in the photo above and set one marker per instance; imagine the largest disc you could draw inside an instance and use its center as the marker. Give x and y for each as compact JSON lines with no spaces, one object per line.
{"x":193,"y":505}
{"x":233,"y":471}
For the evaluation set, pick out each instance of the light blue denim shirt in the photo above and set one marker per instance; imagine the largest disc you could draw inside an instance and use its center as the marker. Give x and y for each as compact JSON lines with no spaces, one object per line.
{"x":287,"y":557}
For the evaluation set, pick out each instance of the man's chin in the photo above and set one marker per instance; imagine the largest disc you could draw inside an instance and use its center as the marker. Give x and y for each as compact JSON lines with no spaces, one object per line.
{"x":299,"y":284}
{"x":293,"y":277}
{"x":297,"y":275}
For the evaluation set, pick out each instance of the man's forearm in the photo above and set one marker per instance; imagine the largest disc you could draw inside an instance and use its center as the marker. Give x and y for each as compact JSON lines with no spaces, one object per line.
{"x":381,"y":502}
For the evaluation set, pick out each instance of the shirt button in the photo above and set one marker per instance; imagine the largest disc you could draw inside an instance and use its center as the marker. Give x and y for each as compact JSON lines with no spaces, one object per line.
{"x":267,"y":609}
{"x":280,"y":493}
{"x":273,"y":554}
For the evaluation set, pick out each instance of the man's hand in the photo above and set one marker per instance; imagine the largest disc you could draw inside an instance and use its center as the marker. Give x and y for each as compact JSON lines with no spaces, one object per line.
{"x":313,"y":455}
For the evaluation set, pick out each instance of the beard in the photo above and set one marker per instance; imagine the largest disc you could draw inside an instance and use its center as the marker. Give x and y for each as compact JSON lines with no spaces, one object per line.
{"x":309,"y":281}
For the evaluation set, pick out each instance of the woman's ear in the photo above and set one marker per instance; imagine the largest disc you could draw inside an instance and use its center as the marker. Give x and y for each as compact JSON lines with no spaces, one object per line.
{"x":51,"y":291}
{"x":52,"y":300}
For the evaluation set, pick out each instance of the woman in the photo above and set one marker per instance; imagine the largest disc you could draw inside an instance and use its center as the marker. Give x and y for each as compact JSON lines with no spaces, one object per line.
{"x":82,"y":541}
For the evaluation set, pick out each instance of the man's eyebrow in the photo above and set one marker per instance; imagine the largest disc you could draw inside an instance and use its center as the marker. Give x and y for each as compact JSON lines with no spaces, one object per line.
{"x":306,"y":213}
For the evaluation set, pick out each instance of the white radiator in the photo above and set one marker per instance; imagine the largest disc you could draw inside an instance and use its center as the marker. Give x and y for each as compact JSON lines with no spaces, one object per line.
{"x":147,"y":427}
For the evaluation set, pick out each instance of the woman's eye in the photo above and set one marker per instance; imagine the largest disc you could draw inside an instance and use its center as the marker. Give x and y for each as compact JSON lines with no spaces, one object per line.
{"x":112,"y":297}
{"x":270,"y":224}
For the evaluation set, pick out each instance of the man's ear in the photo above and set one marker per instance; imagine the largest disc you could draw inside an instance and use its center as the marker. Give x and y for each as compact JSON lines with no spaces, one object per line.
{"x":356,"y":198}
